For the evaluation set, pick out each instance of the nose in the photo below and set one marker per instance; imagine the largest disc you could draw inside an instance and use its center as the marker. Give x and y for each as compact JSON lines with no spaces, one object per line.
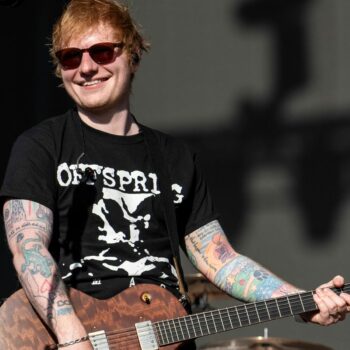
{"x":87,"y":65}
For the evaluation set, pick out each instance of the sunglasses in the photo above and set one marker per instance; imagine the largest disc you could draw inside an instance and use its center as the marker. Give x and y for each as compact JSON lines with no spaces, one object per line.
{"x":101,"y":53}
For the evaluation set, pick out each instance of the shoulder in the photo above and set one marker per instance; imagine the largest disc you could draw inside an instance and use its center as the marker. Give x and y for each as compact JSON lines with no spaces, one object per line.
{"x":172,"y":146}
{"x":47,"y":127}
{"x":46,"y":133}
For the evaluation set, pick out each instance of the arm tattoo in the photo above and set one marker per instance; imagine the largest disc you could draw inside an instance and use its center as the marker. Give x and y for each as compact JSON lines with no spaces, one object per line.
{"x":210,"y":246}
{"x":237,"y":275}
{"x":17,"y":211}
{"x":21,"y":215}
{"x":28,"y":227}
{"x":34,"y":260}
{"x":13,"y":213}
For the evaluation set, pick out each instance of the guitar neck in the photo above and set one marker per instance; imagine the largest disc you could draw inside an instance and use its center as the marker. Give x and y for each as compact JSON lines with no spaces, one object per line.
{"x":221,"y":320}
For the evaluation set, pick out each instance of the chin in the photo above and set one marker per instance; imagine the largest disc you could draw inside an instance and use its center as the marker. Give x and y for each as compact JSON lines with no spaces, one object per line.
{"x":93,"y":106}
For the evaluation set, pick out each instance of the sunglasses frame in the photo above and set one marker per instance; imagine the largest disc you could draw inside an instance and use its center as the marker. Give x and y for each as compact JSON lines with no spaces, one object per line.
{"x":79,"y":54}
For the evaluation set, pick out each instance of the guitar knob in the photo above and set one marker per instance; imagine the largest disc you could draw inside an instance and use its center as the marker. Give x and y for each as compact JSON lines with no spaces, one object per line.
{"x":146,"y":298}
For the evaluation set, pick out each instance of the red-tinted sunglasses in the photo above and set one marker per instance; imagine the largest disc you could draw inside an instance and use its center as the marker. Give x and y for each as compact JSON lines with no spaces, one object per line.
{"x":101,"y":53}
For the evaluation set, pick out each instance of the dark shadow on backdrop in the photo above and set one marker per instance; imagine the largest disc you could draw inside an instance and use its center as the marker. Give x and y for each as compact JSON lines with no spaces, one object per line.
{"x":316,"y":169}
{"x":10,"y":3}
{"x":263,"y":136}
{"x":30,"y":93}
{"x":260,"y":137}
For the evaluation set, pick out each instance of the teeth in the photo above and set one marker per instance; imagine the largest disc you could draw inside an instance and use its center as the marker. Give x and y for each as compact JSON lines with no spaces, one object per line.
{"x":89,"y":83}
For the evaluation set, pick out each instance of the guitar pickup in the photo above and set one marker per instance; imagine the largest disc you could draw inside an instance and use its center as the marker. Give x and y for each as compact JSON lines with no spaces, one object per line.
{"x":146,"y":335}
{"x":99,"y":340}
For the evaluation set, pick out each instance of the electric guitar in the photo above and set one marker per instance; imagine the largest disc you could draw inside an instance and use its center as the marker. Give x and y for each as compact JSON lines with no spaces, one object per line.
{"x":143,"y":317}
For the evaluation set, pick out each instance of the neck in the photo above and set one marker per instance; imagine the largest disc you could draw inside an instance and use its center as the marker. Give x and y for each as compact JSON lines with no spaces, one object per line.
{"x":119,"y":123}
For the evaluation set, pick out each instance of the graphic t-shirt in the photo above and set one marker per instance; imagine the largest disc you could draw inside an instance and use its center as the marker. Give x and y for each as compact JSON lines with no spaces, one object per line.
{"x":109,"y":229}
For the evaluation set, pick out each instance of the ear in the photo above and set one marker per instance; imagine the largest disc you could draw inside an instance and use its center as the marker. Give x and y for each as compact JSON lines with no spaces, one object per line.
{"x":135,"y":59}
{"x":134,"y":62}
{"x":58,"y":70}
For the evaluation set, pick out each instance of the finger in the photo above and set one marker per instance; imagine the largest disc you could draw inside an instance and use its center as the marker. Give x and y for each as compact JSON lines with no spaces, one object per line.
{"x":337,"y":281}
{"x":322,"y":316}
{"x":328,"y":303}
{"x":340,"y":303}
{"x":346,"y":298}
{"x":332,"y":307}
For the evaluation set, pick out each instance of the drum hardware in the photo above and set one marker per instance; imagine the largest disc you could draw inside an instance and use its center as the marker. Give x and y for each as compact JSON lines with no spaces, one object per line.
{"x":262,"y":343}
{"x":198,"y":286}
{"x":201,"y":292}
{"x":200,"y":303}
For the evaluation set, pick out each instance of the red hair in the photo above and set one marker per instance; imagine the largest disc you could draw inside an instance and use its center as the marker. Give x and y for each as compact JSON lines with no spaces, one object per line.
{"x":81,"y":15}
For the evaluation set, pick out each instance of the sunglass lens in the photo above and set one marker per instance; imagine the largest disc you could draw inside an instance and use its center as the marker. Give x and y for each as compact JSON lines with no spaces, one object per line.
{"x":69,"y":58}
{"x":102,"y":53}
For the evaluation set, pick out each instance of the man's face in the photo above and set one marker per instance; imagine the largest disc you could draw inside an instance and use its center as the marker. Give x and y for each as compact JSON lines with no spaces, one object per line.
{"x":94,"y":87}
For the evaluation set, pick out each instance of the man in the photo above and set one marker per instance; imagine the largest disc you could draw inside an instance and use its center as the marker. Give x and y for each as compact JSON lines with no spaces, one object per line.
{"x":82,"y":204}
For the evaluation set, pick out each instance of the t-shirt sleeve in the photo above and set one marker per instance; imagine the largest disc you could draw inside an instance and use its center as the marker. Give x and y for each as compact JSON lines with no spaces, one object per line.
{"x":30,"y":170}
{"x":200,"y":203}
{"x":197,"y":208}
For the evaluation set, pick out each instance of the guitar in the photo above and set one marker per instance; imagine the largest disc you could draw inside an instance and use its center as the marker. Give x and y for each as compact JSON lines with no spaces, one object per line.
{"x":143,"y":317}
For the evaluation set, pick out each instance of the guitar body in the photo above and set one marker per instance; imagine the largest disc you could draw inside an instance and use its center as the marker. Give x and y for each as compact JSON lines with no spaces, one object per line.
{"x":22,"y":329}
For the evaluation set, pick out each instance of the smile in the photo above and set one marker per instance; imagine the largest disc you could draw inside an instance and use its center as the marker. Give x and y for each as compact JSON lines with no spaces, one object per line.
{"x":93,"y":82}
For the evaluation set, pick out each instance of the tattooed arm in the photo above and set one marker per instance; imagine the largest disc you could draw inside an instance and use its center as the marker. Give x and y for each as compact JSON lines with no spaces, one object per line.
{"x":239,"y":276}
{"x":28,"y":228}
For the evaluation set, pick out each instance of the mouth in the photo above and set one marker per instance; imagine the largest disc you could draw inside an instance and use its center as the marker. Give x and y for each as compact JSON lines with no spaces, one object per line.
{"x":92,"y":83}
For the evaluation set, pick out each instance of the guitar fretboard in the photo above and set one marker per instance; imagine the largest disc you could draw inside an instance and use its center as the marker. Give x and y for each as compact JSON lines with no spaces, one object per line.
{"x":221,"y":320}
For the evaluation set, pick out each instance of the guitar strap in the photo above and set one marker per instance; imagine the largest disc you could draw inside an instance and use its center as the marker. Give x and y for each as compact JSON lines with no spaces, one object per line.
{"x":157,"y":159}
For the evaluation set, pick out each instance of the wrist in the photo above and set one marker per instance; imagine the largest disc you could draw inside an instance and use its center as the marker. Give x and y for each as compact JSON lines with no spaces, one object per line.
{"x":66,"y":334}
{"x":73,"y":342}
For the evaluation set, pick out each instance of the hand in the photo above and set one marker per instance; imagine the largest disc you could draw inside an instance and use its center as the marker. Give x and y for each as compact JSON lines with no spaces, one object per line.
{"x":331,"y":307}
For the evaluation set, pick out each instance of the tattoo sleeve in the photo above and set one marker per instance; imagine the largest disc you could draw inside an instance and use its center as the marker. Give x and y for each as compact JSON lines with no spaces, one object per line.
{"x":28,"y":228}
{"x":212,"y":254}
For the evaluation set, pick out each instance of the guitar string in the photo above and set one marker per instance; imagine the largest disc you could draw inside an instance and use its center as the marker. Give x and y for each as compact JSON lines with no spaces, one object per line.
{"x":133,"y":338}
{"x":205,"y":327}
{"x":242,"y":308}
{"x":304,"y":298}
{"x":285,"y":303}
{"x":225,"y":316}
{"x":118,"y":343}
{"x":215,"y":314}
{"x":226,"y":326}
{"x":114,"y":338}
{"x":131,"y":335}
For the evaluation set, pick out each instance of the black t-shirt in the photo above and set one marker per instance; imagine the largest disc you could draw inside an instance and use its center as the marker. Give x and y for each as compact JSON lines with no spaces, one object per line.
{"x":109,"y":233}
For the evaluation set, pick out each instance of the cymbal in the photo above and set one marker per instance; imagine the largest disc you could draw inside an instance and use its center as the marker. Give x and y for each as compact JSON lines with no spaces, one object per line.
{"x":198,"y":286}
{"x":261,"y":343}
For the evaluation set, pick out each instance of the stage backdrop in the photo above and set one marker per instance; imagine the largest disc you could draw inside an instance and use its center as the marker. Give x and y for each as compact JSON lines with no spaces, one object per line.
{"x":261,"y":90}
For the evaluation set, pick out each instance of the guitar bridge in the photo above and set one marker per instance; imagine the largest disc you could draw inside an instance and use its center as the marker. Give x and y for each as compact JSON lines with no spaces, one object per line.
{"x":147,"y":337}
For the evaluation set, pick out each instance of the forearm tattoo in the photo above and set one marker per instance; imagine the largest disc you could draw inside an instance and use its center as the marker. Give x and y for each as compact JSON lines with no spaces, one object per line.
{"x":28,"y":227}
{"x":237,"y":275}
{"x":22,"y":215}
